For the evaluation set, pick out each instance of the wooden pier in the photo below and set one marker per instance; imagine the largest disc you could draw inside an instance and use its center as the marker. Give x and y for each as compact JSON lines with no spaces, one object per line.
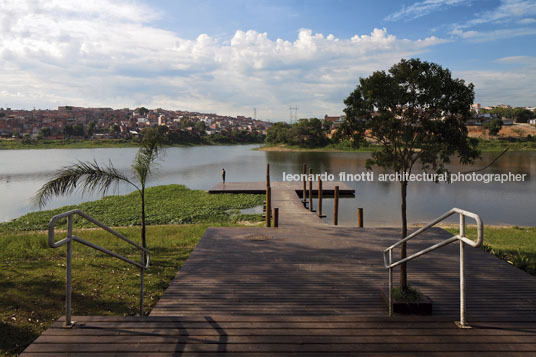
{"x":313,"y":289}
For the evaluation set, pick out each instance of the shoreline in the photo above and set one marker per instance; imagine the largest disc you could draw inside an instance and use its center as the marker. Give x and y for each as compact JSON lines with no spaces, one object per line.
{"x":286,"y":148}
{"x":94,"y":144}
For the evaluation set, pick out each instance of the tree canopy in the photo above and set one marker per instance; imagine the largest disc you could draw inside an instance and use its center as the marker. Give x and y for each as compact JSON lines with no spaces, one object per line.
{"x":304,"y":133}
{"x":416,"y":112}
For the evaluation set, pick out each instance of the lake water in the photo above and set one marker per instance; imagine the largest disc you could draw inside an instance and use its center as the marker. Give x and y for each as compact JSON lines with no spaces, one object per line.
{"x":511,"y":203}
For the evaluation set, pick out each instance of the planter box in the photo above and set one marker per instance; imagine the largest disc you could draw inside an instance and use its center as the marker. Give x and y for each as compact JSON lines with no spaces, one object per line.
{"x":421,"y":307}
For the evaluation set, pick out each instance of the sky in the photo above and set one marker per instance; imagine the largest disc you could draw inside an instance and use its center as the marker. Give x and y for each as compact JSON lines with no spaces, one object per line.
{"x":231,"y":56}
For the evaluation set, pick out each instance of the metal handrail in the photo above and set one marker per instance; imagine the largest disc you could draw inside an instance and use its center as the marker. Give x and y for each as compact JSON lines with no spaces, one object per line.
{"x":388,"y":253}
{"x":145,"y":253}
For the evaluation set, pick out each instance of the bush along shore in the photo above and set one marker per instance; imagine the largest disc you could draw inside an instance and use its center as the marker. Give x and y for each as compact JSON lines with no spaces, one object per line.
{"x":484,"y":145}
{"x":32,"y":275}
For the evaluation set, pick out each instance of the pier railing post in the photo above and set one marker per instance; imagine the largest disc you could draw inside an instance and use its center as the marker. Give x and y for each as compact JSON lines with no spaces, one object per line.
{"x":276,"y":217}
{"x":268,"y":205}
{"x":336,"y":206}
{"x":304,"y":196}
{"x":319,"y":197}
{"x":268,"y":197}
{"x":360,"y":217}
{"x":311,"y":190}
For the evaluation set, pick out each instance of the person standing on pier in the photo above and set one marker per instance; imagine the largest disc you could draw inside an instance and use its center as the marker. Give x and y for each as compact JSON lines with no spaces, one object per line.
{"x":223,"y":175}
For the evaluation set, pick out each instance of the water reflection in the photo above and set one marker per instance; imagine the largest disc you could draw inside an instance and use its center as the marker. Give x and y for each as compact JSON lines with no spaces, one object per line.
{"x":24,"y":171}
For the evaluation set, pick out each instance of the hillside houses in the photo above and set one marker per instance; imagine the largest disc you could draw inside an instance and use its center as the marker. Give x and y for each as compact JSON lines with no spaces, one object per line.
{"x":97,"y":123}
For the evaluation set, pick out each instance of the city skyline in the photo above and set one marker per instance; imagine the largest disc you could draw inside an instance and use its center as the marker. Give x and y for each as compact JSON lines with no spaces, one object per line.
{"x":231,"y":57}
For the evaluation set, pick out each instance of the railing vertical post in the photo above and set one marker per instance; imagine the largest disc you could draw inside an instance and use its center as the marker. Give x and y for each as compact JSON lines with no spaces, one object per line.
{"x":390,"y":283}
{"x":320,"y":197}
{"x":462,"y":272}
{"x":276,"y":217}
{"x":142,"y":271}
{"x":68,"y":321}
{"x":311,"y":190}
{"x":336,"y":206}
{"x":304,"y":198}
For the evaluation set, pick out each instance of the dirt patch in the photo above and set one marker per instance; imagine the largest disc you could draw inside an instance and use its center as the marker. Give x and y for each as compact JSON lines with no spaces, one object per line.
{"x":507,"y":131}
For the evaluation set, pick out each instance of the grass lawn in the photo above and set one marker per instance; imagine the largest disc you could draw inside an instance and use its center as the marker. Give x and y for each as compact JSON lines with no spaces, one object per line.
{"x":32,"y":275}
{"x":516,"y":245}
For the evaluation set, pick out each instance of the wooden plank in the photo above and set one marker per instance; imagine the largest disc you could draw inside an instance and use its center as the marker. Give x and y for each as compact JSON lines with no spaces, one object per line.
{"x":283,"y":348}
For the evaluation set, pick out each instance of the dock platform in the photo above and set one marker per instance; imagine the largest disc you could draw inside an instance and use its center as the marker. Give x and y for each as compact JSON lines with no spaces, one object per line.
{"x":308,"y":288}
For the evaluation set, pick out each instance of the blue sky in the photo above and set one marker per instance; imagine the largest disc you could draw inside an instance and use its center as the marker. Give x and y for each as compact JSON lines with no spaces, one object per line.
{"x":229,"y":57}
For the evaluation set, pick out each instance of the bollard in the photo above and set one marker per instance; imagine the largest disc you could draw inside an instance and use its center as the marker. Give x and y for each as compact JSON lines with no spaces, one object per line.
{"x":336,"y":206}
{"x":360,"y":217}
{"x":276,"y":217}
{"x":304,"y":197}
{"x":310,"y":190}
{"x":268,"y":205}
{"x":319,"y":197}
{"x":267,"y":175}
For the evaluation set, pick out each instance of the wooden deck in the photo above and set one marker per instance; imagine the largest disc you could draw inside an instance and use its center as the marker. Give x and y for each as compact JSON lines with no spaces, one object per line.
{"x":284,"y":336}
{"x":313,"y":289}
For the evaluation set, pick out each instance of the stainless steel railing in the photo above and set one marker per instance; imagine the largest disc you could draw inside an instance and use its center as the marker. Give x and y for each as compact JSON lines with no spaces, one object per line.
{"x":145,"y":253}
{"x":388,"y":253}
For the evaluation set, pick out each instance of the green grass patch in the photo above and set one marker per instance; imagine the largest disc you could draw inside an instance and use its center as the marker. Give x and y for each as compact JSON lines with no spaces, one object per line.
{"x":516,"y":245}
{"x":66,"y":144}
{"x":32,"y":277}
{"x":17,"y":144}
{"x":171,"y":204}
{"x":484,"y":145}
{"x":501,"y":144}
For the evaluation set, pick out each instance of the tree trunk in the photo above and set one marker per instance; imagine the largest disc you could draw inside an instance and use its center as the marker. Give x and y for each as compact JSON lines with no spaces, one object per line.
{"x":143,"y":242}
{"x":403,"y":267}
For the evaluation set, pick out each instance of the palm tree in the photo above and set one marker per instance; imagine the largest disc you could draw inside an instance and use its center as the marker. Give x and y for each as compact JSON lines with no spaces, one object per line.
{"x":96,"y":178}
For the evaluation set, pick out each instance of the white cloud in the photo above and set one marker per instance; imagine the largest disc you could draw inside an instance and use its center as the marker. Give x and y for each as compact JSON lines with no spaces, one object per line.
{"x":527,"y":21}
{"x":513,"y":84}
{"x":109,"y":53}
{"x":423,"y":8}
{"x":483,"y":36}
{"x":508,"y":13}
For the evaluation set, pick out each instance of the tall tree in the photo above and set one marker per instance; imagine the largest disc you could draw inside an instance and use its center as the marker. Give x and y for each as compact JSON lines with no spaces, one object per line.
{"x":93,"y":177}
{"x":494,"y":126}
{"x":416,"y":112}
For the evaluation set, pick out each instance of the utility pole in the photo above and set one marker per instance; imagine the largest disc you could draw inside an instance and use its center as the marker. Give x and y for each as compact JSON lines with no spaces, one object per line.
{"x":293,"y":114}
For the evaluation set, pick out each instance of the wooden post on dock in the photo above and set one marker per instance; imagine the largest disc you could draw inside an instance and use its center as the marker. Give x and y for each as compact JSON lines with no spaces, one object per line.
{"x":319,"y":197}
{"x":268,"y":197}
{"x":276,"y":217}
{"x":268,"y":205}
{"x":360,"y":217}
{"x":310,"y":190}
{"x":304,"y":197}
{"x":336,"y":206}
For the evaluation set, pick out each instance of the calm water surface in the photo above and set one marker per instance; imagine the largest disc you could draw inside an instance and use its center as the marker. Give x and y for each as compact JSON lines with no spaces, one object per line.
{"x":24,"y":171}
